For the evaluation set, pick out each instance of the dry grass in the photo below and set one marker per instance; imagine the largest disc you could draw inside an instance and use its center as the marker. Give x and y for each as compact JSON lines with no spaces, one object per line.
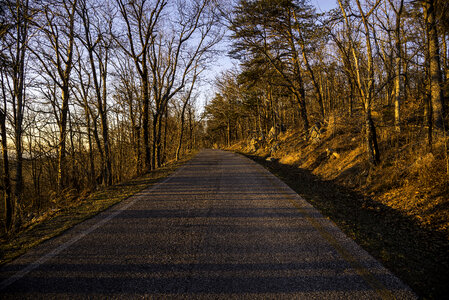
{"x":398,"y":211}
{"x":70,"y":213}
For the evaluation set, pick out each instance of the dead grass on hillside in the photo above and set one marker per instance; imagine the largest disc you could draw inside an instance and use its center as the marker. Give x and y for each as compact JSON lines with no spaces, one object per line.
{"x":414,"y":253}
{"x":398,"y":210}
{"x":409,"y":179}
{"x":417,"y":186}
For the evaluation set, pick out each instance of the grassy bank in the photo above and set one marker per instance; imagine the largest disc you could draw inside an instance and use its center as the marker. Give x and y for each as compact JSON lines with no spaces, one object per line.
{"x":397,"y":211}
{"x":54,"y":222}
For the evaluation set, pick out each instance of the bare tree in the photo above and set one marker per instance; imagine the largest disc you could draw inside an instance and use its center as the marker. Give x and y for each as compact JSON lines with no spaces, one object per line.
{"x":174,"y":57}
{"x":398,"y":86}
{"x":310,"y":31}
{"x":127,"y":97}
{"x":185,"y":102}
{"x":6,"y":178}
{"x":140,"y":19}
{"x":55,"y":52}
{"x":365,"y":84}
{"x":98,"y":46}
{"x":82,"y":96}
{"x":15,"y":38}
{"x":436,"y":92}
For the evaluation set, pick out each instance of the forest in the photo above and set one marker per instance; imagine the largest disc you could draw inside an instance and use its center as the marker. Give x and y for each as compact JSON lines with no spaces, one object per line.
{"x":349,"y":106}
{"x":97,"y":92}
{"x":386,"y":61}
{"x":357,"y":95}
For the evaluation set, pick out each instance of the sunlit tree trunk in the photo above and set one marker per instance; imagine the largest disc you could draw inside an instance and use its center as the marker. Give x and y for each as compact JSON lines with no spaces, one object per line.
{"x":445,"y":59}
{"x":436,"y":92}
{"x":398,"y":86}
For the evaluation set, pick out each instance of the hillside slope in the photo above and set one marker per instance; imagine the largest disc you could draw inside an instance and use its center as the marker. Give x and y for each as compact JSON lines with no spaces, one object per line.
{"x":398,"y":211}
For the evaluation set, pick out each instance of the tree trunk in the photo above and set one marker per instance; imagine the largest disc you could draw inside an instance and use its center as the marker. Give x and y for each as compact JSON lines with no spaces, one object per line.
{"x":314,"y":81}
{"x":9,"y":204}
{"x":18,"y":74}
{"x":405,"y":78}
{"x":62,"y":139}
{"x":436,"y":91}
{"x":105,"y":129}
{"x":445,"y":59}
{"x":351,"y":96}
{"x":371,"y":135}
{"x":371,"y":139}
{"x":181,"y":130}
{"x":100,"y":86}
{"x":137,"y":150}
{"x":302,"y":110}
{"x":91,"y":151}
{"x":366,"y":90}
{"x":159,"y":141}
{"x":18,"y":190}
{"x":164,"y":149}
{"x":191,"y":135}
{"x":156,"y":117}
{"x":398,"y":91}
{"x":428,"y":119}
{"x":100,"y":178}
{"x":228,"y":133}
{"x":146,"y":122}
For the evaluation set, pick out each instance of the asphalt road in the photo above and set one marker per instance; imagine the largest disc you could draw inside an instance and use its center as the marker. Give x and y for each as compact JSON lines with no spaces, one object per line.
{"x":220,"y":227}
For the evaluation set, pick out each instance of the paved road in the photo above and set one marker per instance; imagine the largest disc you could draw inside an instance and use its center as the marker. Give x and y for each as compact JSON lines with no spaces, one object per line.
{"x":220,"y":227}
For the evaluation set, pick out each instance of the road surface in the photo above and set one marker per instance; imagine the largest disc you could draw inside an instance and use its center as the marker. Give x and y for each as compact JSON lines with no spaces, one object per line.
{"x":219,"y":227}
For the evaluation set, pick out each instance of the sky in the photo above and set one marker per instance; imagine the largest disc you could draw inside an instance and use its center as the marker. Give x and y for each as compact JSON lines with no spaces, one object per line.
{"x":224,"y":63}
{"x":324,"y":5}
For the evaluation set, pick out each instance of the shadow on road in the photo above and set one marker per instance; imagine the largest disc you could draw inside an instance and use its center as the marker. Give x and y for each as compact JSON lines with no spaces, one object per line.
{"x":417,"y":255}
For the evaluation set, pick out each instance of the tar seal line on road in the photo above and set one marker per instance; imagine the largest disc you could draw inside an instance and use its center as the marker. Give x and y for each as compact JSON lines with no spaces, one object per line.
{"x":222,"y":227}
{"x":34,"y":265}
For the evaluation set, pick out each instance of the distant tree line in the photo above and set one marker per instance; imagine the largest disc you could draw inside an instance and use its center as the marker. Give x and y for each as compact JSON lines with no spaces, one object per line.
{"x":95,"y":92}
{"x":382,"y":64}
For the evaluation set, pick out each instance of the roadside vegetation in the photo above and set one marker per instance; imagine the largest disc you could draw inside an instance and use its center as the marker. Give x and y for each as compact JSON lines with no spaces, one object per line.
{"x":68,"y":212}
{"x":403,"y":223}
{"x":350,"y":108}
{"x":95,"y":93}
{"x":355,"y":100}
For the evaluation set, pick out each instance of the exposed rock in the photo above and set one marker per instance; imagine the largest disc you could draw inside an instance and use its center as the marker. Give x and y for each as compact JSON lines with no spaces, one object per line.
{"x":274,"y":148}
{"x":253,"y":145}
{"x":315,"y":132}
{"x":272,"y":133}
{"x":331,"y":153}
